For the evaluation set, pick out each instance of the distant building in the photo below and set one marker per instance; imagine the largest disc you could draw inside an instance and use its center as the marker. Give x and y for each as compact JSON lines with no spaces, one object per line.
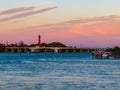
{"x":39,"y":40}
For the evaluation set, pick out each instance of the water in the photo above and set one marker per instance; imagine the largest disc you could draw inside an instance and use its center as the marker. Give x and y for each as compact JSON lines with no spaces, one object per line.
{"x":52,"y":71}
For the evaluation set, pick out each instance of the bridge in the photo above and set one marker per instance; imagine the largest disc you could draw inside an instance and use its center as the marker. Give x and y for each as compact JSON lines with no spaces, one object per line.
{"x":48,"y":49}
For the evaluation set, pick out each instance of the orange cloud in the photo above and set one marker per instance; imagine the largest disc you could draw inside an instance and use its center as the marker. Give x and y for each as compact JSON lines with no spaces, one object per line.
{"x":78,"y":29}
{"x":99,"y":28}
{"x":100,"y":33}
{"x":81,"y":29}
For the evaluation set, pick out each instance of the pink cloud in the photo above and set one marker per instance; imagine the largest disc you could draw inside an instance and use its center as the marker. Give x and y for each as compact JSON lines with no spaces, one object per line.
{"x":94,"y":19}
{"x":100,"y":33}
{"x":104,"y":34}
{"x":16,"y":10}
{"x":25,"y":14}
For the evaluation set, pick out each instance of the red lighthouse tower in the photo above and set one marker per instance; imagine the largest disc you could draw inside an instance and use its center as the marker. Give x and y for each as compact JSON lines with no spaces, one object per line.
{"x":39,"y":40}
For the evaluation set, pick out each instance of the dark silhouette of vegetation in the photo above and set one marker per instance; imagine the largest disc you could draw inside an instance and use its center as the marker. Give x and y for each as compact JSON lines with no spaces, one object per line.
{"x":53,"y":44}
{"x":116,"y":52}
{"x":21,"y":44}
{"x":109,"y":50}
{"x":32,"y":45}
{"x":2,"y":47}
{"x":12,"y":45}
{"x":44,"y":45}
{"x":56,"y":44}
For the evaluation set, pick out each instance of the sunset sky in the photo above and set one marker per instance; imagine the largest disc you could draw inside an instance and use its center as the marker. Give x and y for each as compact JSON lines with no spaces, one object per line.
{"x":81,"y":23}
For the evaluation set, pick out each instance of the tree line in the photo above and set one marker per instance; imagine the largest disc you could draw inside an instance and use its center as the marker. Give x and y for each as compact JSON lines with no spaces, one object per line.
{"x":115,"y":51}
{"x":22,"y":44}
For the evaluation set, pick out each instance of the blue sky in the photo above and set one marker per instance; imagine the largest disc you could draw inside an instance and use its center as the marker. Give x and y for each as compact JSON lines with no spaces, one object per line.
{"x":96,"y":7}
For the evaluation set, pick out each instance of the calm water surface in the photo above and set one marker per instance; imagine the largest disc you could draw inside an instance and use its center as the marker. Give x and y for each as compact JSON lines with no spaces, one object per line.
{"x":64,"y":71}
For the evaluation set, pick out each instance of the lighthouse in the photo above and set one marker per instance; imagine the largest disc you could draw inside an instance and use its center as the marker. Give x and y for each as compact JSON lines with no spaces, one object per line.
{"x":39,"y":40}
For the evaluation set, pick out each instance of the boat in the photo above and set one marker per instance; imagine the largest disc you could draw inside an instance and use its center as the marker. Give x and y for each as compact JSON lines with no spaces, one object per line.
{"x":100,"y":54}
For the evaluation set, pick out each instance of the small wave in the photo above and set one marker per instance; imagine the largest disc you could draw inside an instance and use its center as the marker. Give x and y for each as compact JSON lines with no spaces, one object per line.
{"x":43,"y":59}
{"x":28,"y":62}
